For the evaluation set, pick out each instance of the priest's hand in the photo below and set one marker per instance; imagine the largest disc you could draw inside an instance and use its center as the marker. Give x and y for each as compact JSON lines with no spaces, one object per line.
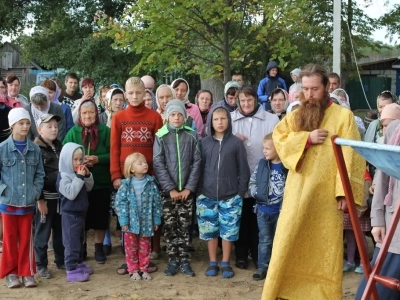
{"x":318,"y":136}
{"x":341,"y":203}
{"x":379,"y":234}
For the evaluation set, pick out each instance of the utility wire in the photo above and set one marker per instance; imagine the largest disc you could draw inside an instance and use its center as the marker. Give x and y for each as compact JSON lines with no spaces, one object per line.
{"x":355,"y":60}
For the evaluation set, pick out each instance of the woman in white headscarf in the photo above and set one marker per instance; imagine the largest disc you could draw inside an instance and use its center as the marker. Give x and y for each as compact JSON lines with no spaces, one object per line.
{"x":115,"y":100}
{"x":40,"y":105}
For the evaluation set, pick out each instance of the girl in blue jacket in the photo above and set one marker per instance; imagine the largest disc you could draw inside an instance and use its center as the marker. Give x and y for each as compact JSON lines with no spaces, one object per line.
{"x":138,"y":207}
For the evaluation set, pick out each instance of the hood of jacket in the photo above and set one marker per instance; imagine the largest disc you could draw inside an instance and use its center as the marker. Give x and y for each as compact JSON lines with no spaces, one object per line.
{"x":271,"y":65}
{"x":210,"y":128}
{"x":186,"y":98}
{"x":67,"y":152}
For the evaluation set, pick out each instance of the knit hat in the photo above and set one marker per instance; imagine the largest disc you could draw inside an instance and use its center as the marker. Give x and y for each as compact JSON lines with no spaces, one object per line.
{"x":295,"y":72}
{"x":17,"y":114}
{"x":231,"y":84}
{"x":47,"y":117}
{"x":175,"y":105}
{"x":39,"y":90}
{"x":391,"y":111}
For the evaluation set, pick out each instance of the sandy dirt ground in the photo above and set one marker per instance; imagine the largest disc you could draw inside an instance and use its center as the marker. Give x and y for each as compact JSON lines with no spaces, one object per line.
{"x":105,"y":283}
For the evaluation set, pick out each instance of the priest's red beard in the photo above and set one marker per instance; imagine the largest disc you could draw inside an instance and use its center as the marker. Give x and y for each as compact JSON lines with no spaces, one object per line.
{"x":309,"y":115}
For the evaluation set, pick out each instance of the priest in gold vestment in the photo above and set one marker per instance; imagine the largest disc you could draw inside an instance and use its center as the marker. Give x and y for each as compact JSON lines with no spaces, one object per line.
{"x":307,"y":252}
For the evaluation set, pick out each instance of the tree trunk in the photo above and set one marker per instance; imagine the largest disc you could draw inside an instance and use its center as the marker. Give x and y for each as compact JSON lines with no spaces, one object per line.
{"x":215,"y":86}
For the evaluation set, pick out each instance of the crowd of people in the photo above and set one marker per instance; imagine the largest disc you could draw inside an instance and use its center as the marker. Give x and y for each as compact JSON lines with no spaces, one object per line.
{"x":255,"y":172}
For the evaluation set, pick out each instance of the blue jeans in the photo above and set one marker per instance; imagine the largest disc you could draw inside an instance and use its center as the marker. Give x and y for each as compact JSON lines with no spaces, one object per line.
{"x":266,"y":226}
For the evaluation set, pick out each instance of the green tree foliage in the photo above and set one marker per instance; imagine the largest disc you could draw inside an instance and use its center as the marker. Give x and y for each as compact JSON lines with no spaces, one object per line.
{"x":65,"y":38}
{"x":212,"y":38}
{"x":391,"y":21}
{"x":206,"y":37}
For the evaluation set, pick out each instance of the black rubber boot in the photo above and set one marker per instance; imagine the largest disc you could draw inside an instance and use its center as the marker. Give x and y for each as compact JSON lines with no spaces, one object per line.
{"x":99,"y":255}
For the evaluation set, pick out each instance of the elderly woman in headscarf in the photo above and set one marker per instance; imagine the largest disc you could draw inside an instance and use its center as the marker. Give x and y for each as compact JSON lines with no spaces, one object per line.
{"x":164,"y":94}
{"x":41,"y":105}
{"x":115,"y":100}
{"x":89,"y":92}
{"x":95,"y":139}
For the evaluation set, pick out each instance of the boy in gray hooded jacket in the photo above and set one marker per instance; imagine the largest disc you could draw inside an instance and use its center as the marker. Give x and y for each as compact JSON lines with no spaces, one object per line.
{"x":73,"y":182}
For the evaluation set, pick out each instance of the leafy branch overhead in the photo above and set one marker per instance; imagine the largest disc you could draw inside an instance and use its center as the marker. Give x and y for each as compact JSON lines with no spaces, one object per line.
{"x":212,"y":38}
{"x":207,"y":37}
{"x":108,"y":39}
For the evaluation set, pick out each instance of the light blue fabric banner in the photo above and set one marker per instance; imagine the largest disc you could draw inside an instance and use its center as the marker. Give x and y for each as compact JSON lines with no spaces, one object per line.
{"x":384,"y":157}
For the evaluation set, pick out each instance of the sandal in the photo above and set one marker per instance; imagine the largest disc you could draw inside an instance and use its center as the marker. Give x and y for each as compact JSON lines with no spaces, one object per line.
{"x":212,"y":270}
{"x":123,"y":269}
{"x":152,"y":268}
{"x":135,"y":276}
{"x":227,"y":271}
{"x":146,"y":276}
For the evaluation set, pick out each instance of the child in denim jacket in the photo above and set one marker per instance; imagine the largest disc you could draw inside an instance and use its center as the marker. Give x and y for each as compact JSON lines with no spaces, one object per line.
{"x":21,"y":183}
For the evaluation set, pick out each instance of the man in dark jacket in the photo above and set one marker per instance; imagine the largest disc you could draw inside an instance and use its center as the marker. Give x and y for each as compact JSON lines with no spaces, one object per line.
{"x":269,"y":83}
{"x":225,"y":176}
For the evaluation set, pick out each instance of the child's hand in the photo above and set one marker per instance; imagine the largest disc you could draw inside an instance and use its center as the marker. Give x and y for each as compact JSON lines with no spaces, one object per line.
{"x":86,"y":170}
{"x":42,"y":207}
{"x":125,"y":228}
{"x":175,"y":195}
{"x":81,"y":170}
{"x":185,"y":194}
{"x":155,"y":227}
